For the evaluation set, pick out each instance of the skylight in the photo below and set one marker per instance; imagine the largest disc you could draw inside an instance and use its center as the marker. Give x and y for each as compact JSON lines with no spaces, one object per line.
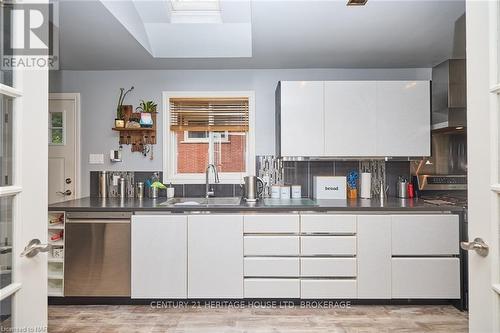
{"x":195,"y":11}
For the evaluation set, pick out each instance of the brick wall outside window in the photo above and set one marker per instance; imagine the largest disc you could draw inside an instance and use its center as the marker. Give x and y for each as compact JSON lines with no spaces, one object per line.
{"x":193,"y":157}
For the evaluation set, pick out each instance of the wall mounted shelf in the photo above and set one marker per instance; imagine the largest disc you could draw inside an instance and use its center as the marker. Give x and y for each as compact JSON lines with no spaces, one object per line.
{"x":137,"y":137}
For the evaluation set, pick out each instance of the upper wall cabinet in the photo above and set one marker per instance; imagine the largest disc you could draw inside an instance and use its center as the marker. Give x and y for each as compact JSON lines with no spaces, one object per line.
{"x":302,"y":118}
{"x":350,"y":118}
{"x":403,"y":118}
{"x":353,"y":118}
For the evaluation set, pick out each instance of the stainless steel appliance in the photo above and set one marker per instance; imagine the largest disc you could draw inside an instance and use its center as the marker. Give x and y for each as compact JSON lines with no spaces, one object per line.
{"x":449,"y":96}
{"x":97,"y":256}
{"x":442,"y":182}
{"x":254,"y":187}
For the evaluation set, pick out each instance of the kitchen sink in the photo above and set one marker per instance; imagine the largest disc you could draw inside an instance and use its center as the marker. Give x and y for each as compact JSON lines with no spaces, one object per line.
{"x":214,"y":201}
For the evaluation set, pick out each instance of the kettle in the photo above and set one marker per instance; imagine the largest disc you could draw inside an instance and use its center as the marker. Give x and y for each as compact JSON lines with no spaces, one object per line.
{"x":254,"y":187}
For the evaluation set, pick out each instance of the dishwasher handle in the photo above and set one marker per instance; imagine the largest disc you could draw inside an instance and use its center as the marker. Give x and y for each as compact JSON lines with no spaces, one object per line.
{"x":98,"y":221}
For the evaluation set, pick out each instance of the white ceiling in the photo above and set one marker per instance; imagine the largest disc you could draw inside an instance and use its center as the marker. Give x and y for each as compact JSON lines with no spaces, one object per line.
{"x":285,"y":34}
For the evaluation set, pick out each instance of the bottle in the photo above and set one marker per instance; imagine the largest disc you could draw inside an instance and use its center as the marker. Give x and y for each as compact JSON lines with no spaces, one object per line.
{"x":411,"y":192}
{"x":122,"y":188}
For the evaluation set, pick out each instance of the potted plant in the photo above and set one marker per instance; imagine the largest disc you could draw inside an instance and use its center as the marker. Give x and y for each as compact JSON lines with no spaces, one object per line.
{"x":122,"y":110}
{"x":147,"y":109}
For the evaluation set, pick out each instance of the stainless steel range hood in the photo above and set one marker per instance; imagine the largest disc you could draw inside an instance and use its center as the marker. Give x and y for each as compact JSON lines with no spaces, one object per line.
{"x":449,"y":96}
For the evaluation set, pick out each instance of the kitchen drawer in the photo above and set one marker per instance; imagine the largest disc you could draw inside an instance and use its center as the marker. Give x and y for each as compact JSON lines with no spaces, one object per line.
{"x":314,"y":289}
{"x":272,"y":267}
{"x":328,"y":245}
{"x":328,"y":223}
{"x":426,"y":278}
{"x":271,"y":245}
{"x":275,"y":223}
{"x":328,"y":267}
{"x":272,"y":288}
{"x":425,"y":235}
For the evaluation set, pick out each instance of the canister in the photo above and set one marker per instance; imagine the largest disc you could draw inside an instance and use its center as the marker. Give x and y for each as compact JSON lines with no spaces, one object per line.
{"x":296,"y":191}
{"x":285,"y":192}
{"x":275,"y":192}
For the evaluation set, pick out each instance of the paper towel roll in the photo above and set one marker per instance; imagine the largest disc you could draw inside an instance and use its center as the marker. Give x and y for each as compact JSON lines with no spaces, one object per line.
{"x":366,"y":185}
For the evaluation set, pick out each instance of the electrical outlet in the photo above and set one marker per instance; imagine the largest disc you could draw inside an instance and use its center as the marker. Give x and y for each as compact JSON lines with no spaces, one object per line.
{"x":96,"y":158}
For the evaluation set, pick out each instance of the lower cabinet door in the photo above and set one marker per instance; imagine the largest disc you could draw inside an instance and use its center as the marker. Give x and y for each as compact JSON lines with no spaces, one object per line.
{"x":426,"y":278}
{"x":374,"y":256}
{"x":159,"y":256}
{"x":272,"y":288}
{"x":334,"y":289}
{"x":215,"y":256}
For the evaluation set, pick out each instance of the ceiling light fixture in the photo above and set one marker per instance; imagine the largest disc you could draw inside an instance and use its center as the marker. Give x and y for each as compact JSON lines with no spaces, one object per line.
{"x":356,"y":2}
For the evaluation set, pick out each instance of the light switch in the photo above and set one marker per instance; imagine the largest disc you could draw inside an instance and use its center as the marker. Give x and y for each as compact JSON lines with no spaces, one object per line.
{"x":96,"y":158}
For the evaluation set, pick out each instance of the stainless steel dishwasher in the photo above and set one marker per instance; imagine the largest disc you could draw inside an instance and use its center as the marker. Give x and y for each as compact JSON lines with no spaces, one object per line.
{"x":97,"y":254}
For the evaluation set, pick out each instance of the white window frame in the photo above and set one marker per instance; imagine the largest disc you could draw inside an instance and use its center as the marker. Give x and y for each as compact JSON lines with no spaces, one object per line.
{"x":169,"y":149}
{"x":187,"y":139}
{"x":63,"y":128}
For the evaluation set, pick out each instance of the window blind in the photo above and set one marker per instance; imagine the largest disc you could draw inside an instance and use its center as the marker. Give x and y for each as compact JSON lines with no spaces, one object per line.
{"x":209,"y":114}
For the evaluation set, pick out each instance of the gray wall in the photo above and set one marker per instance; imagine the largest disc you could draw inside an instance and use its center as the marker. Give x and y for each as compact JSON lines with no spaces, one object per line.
{"x":99,"y":94}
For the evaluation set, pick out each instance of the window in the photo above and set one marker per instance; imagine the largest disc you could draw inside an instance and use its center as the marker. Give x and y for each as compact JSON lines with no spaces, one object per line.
{"x":208,"y":128}
{"x":203,"y":136}
{"x":56,"y":128}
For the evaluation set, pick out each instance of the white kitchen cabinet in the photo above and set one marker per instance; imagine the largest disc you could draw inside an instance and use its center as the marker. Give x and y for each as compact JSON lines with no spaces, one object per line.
{"x":272,"y":267}
{"x":334,"y":289}
{"x":350,"y":118}
{"x":215,"y":256}
{"x":328,"y":267}
{"x":301,"y":118}
{"x":271,"y":223}
{"x":159,"y":256}
{"x":328,"y":245}
{"x":328,"y":224}
{"x":419,"y":235}
{"x":272,"y":245}
{"x":374,"y":256}
{"x":426,"y":278}
{"x":272,"y":288}
{"x":403,"y":118}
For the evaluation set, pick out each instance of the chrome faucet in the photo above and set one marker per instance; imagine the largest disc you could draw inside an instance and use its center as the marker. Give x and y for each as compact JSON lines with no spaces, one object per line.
{"x":210,"y":192}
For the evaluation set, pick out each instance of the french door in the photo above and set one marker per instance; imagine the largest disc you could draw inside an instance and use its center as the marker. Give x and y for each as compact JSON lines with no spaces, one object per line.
{"x":483,"y":122}
{"x":23,"y":194}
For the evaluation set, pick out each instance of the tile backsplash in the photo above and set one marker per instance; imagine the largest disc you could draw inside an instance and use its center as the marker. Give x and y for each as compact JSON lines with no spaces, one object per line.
{"x":294,"y":173}
{"x":181,"y":190}
{"x":302,"y":173}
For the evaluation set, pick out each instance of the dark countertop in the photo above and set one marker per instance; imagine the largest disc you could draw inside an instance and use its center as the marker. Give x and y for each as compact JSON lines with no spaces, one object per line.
{"x":268,"y":205}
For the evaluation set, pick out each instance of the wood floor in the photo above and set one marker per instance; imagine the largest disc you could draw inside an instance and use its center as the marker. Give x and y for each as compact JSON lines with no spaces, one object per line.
{"x":356,"y":319}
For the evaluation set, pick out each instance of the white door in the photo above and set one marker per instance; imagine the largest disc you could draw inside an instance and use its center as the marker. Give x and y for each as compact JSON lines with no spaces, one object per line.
{"x":350,"y":118}
{"x":23,"y":197}
{"x":302,"y":117}
{"x":483,"y":122}
{"x":63,"y":147}
{"x":403,"y":118}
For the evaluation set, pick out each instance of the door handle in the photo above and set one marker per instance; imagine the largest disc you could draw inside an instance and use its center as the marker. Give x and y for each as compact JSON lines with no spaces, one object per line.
{"x":67,"y":192}
{"x":34,"y":247}
{"x":477,"y":245}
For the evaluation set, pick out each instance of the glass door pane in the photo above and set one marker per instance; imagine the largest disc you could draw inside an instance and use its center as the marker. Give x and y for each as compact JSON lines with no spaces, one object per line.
{"x":6,"y":208}
{"x":6,"y":141}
